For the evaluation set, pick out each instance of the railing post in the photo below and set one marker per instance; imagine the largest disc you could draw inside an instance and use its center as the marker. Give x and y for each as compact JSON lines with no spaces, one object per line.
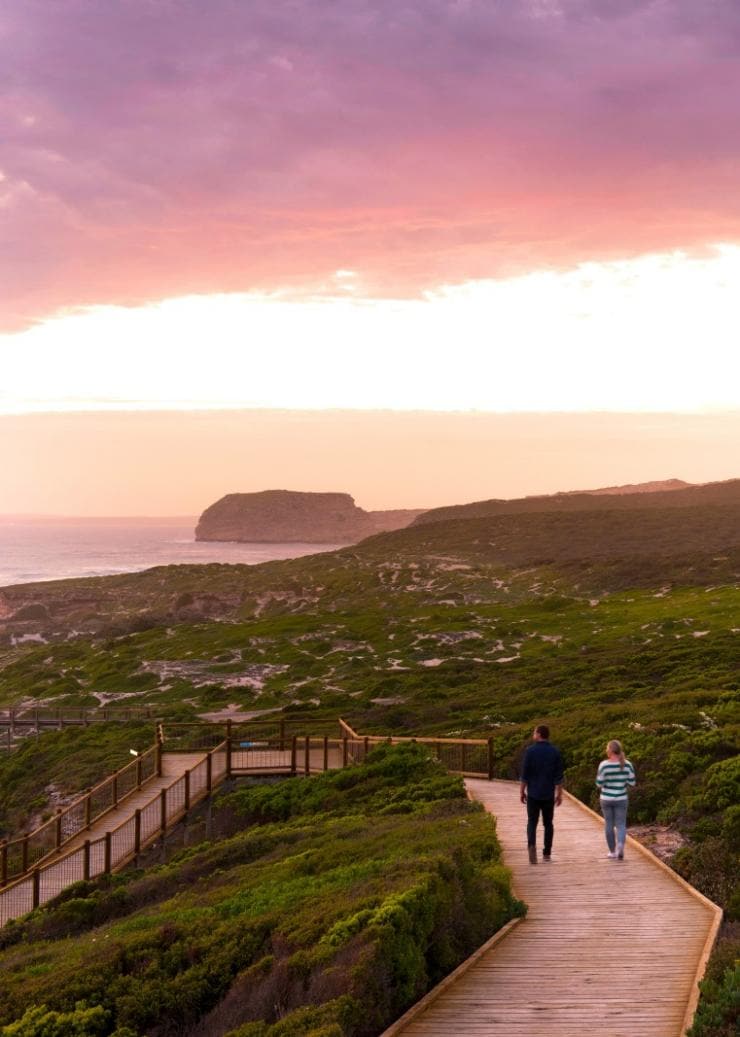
{"x":159,"y":759}
{"x":36,"y":887}
{"x":86,"y":860}
{"x":115,"y":789}
{"x":3,"y":863}
{"x":88,"y":810}
{"x":36,"y":721}
{"x":24,"y":854}
{"x":367,"y":748}
{"x":12,"y":721}
{"x":138,"y":772}
{"x":58,"y":827}
{"x":187,"y":791}
{"x":345,"y":751}
{"x":282,"y":734}
{"x":209,"y":772}
{"x":293,"y":755}
{"x":107,"y":862}
{"x":464,"y":757}
{"x":326,"y":753}
{"x":85,"y":721}
{"x":307,"y":760}
{"x":163,"y":810}
{"x":490,"y":759}
{"x":228,"y":748}
{"x":137,"y":832}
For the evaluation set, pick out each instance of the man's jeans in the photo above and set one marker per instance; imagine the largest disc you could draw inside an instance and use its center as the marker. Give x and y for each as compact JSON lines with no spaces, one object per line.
{"x":615,"y":816}
{"x":534,"y":808}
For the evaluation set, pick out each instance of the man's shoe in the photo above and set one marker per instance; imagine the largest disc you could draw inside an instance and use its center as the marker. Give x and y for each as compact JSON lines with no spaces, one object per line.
{"x":546,"y":855}
{"x":532,"y":851}
{"x":620,"y":853}
{"x":612,"y":855}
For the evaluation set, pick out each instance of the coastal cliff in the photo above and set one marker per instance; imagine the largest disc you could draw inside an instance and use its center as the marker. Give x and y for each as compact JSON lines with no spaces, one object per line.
{"x":291,"y":517}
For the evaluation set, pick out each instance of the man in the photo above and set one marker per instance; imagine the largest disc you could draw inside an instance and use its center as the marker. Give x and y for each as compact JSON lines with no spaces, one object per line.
{"x":541,"y":789}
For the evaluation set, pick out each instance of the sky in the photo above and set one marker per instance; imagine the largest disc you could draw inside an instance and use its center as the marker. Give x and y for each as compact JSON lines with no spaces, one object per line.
{"x":407,"y":215}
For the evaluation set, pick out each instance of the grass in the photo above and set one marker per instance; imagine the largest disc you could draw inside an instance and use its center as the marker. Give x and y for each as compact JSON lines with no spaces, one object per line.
{"x":330,"y":904}
{"x":605,"y":623}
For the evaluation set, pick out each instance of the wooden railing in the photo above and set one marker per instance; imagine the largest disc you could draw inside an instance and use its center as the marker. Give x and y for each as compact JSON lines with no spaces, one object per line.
{"x":471,"y":757}
{"x":20,"y":855}
{"x":37,"y":717}
{"x":34,"y":868}
{"x":119,"y":846}
{"x":257,"y":747}
{"x":16,"y":720}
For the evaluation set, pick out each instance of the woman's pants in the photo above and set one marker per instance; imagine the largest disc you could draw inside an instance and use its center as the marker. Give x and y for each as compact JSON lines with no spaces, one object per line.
{"x":615,"y":817}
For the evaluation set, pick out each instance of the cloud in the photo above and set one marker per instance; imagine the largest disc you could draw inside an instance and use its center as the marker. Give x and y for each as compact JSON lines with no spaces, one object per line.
{"x":157,"y":149}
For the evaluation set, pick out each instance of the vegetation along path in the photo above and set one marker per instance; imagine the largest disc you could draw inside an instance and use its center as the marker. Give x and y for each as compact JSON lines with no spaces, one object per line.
{"x":608,"y":947}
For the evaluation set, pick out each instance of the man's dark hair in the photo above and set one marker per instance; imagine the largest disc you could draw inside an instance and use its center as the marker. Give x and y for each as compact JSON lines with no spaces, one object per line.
{"x":543,"y":730}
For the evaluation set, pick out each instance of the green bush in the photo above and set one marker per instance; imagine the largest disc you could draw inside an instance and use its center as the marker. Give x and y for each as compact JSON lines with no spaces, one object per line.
{"x":327,"y":916}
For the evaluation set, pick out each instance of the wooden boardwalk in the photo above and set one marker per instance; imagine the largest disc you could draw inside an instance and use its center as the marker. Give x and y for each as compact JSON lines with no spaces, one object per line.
{"x":112,"y":840}
{"x":608,"y":949}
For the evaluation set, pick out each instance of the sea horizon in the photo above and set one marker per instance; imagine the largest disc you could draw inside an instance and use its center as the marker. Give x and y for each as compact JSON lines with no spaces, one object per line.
{"x":39,"y":549}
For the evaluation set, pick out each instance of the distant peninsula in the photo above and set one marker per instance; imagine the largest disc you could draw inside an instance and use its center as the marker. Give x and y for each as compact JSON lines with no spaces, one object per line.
{"x":288,"y":516}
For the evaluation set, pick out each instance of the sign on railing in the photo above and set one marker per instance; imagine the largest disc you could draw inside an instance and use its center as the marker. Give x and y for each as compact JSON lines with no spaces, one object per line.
{"x":30,"y":878}
{"x":17,"y":856}
{"x":119,"y":846}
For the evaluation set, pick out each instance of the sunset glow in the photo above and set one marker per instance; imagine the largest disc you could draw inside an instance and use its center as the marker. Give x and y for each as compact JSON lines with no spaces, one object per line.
{"x":444,"y":206}
{"x":658,"y":334}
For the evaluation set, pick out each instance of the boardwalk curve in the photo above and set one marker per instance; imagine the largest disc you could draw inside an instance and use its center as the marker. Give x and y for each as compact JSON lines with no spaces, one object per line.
{"x":608,"y":949}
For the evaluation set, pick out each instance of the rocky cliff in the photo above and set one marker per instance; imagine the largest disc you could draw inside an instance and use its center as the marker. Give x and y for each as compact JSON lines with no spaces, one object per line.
{"x":292,"y":517}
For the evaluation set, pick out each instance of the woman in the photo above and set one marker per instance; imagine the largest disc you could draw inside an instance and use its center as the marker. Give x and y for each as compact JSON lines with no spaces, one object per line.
{"x":614,"y":776}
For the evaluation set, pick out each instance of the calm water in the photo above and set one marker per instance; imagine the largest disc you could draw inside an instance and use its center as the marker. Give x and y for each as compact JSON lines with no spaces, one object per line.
{"x":57,"y":549}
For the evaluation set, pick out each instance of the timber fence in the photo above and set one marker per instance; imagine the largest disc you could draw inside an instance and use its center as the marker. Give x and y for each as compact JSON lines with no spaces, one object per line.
{"x":35,"y":867}
{"x":120,"y":845}
{"x":273,"y":747}
{"x":18,"y":856}
{"x":17,"y":722}
{"x":470,"y":757}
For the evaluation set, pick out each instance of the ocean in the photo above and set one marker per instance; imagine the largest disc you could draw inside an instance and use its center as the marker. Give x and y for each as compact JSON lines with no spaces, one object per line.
{"x":55,"y":549}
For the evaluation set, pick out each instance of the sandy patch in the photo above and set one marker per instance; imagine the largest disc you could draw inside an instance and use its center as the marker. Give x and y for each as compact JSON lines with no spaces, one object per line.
{"x":26,"y":638}
{"x":235,"y":712}
{"x":663,"y":841}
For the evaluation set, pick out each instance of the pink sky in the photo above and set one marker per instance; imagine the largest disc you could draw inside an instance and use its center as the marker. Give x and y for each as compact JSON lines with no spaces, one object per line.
{"x":158,"y":149}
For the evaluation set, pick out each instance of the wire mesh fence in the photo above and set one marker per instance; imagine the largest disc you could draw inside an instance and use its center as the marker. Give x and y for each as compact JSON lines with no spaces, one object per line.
{"x":238,"y":755}
{"x":28,"y":851}
{"x":45,"y":717}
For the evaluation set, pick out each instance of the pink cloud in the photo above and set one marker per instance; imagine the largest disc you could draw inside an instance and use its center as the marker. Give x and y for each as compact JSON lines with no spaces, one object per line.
{"x":152,"y":149}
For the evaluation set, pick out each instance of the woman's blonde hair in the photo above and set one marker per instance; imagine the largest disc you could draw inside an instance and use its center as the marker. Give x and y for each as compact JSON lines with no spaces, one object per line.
{"x":615,"y":747}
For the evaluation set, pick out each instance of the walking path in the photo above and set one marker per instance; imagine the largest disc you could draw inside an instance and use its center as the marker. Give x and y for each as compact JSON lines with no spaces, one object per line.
{"x":116,"y":837}
{"x":608,"y":948}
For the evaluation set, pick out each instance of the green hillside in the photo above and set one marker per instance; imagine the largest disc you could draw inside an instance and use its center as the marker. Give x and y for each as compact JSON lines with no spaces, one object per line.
{"x":727,"y":492}
{"x":325,"y":909}
{"x":607,"y":622}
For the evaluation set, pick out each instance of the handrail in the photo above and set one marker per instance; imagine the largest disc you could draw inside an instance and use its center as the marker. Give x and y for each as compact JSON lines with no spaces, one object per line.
{"x":101,"y":856}
{"x":347,"y":730}
{"x":76,"y":816}
{"x":30,"y":715}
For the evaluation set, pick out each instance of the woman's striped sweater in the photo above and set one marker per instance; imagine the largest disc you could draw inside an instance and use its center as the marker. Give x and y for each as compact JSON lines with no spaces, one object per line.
{"x":614,"y":780}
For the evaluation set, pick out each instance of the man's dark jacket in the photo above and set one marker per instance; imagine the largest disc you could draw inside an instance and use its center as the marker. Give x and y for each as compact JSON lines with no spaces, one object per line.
{"x":542,"y":769}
